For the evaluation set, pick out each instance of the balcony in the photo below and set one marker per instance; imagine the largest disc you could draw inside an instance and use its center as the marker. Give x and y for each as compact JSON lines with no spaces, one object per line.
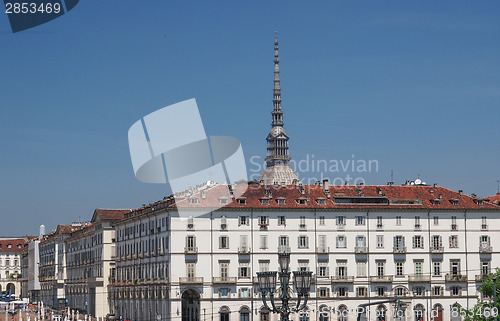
{"x":223,"y":280}
{"x":191,"y":280}
{"x":191,"y":250}
{"x":419,"y":278}
{"x":399,"y":249}
{"x":437,"y":249}
{"x":284,"y":249}
{"x":485,"y":248}
{"x":361,"y":249}
{"x":455,"y":278}
{"x":381,"y":279}
{"x":243,"y":250}
{"x":342,"y":279}
{"x":481,"y":277}
{"x":322,"y":249}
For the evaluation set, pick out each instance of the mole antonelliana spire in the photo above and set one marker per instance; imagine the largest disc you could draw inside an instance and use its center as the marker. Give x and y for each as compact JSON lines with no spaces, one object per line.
{"x":278,"y":170}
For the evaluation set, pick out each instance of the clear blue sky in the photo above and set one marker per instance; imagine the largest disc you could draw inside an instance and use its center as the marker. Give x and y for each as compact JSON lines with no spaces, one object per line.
{"x":413,"y":85}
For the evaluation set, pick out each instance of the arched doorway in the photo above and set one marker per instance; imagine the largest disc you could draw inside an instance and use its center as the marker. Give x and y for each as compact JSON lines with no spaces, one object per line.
{"x":324,"y":313}
{"x":437,"y":312}
{"x":224,"y":313}
{"x":304,"y":314}
{"x":190,"y":305}
{"x":455,"y":312}
{"x":419,"y":312}
{"x":11,"y":287}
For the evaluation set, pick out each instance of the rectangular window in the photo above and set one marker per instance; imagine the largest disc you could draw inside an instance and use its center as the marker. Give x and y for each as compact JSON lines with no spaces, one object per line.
{"x":283,"y":241}
{"x":224,"y":293}
{"x":379,"y":222}
{"x":302,"y":221}
{"x":244,"y":293}
{"x":453,"y":241}
{"x":454,"y":225}
{"x":264,"y":265}
{"x":304,"y":265}
{"x":223,"y":242}
{"x":263,"y":221}
{"x":263,"y":242}
{"x":485,"y":267}
{"x":341,"y":220}
{"x":436,"y":290}
{"x":418,"y":242}
{"x":342,"y":291}
{"x":243,"y":220}
{"x":399,"y":269}
{"x":360,"y":220}
{"x":191,"y":270}
{"x":418,"y":268}
{"x":223,"y":269}
{"x":399,"y":243}
{"x":322,"y":220}
{"x":398,"y":220}
{"x":341,"y":268}
{"x":417,"y":222}
{"x":190,"y":242}
{"x":244,"y":270}
{"x":303,"y":242}
{"x":437,"y":242}
{"x":322,"y":243}
{"x":455,"y":290}
{"x":418,"y":291}
{"x":361,"y":291}
{"x":341,"y":242}
{"x":436,"y":220}
{"x":455,"y":267}
{"x":244,"y":243}
{"x":380,"y":268}
{"x":324,"y":292}
{"x":380,"y":241}
{"x":484,"y":226}
{"x":282,"y":220}
{"x":361,"y":268}
{"x":436,"y":268}
{"x":381,"y":290}
{"x":323,"y":270}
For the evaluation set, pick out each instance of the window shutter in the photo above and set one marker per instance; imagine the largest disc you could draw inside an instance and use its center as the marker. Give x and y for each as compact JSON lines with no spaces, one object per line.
{"x":414,"y":243}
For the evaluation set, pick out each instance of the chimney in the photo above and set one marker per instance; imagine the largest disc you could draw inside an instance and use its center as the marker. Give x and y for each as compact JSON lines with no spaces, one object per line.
{"x":461,"y":192}
{"x":325,"y":184}
{"x":435,"y":185}
{"x":42,"y":230}
{"x":390,"y":183}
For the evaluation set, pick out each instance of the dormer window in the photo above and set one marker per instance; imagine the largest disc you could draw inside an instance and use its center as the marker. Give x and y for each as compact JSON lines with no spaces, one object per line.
{"x":18,"y":246}
{"x":321,"y":201}
{"x":194,"y":200}
{"x":454,"y":202}
{"x":281,"y":201}
{"x":264,"y":201}
{"x":436,"y":201}
{"x":9,"y":246}
{"x":301,"y":201}
{"x":223,"y":200}
{"x":478,"y":201}
{"x":241,"y":200}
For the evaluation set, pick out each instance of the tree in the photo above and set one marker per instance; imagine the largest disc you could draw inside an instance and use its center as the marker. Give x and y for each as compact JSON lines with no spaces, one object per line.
{"x":484,"y":310}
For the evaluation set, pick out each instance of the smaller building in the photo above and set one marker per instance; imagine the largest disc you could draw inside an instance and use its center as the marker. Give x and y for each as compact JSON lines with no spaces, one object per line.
{"x":10,"y":265}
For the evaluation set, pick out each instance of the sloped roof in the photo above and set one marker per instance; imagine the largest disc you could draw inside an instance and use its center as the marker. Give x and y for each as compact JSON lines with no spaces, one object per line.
{"x":16,"y":245}
{"x":109,"y":214}
{"x":494,"y":199}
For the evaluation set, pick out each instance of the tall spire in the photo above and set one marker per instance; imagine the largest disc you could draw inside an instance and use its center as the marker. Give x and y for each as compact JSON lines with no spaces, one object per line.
{"x":278,"y":170}
{"x":277,"y":113}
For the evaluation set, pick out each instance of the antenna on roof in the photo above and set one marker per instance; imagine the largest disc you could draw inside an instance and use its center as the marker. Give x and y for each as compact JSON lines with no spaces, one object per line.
{"x":392,"y":175}
{"x":498,"y":186}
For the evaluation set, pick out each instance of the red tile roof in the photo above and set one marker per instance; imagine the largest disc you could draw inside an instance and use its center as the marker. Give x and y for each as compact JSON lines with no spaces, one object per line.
{"x":370,"y":197}
{"x":110,"y":214}
{"x":16,"y":245}
{"x":494,"y":199}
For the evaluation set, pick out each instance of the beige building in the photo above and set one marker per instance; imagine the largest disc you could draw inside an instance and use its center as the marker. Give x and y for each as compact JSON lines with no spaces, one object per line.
{"x":89,"y":262}
{"x":10,"y":265}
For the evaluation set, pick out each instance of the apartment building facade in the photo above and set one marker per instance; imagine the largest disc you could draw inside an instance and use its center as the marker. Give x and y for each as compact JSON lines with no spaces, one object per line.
{"x":89,"y":260}
{"x":10,"y":265}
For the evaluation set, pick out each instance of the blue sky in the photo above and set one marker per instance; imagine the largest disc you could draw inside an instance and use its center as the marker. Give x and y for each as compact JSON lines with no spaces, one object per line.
{"x":413,"y":85}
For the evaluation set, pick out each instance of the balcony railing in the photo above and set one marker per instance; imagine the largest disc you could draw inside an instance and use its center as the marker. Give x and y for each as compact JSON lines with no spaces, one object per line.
{"x":381,"y":279}
{"x":437,"y":249}
{"x":191,"y":280}
{"x":485,"y":248}
{"x":223,"y":280}
{"x":191,"y":250}
{"x":244,"y":249}
{"x":342,"y":279}
{"x":481,"y":277}
{"x":455,"y":278}
{"x":322,"y":249}
{"x":399,"y":249}
{"x":361,"y":249}
{"x":284,"y":249}
{"x":419,"y":278}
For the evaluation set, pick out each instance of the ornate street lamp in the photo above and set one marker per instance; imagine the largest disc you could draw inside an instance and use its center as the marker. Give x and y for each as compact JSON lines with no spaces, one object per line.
{"x":302,"y":284}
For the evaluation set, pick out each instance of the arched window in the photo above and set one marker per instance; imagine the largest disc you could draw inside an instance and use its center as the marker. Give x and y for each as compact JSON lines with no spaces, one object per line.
{"x":224,"y":313}
{"x":324,"y":313}
{"x":244,"y":313}
{"x":304,"y":314}
{"x":455,"y":313}
{"x":264,"y":314}
{"x":419,"y":312}
{"x":381,"y":313}
{"x":342,"y":313}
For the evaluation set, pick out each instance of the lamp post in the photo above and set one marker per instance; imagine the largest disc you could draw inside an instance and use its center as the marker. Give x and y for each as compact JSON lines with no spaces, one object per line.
{"x":495,"y":295}
{"x":267,"y":284}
